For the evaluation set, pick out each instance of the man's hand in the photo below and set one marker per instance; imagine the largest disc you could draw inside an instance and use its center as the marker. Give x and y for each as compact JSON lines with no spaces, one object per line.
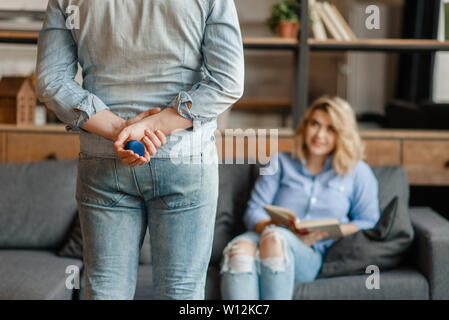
{"x":138,"y":118}
{"x":159,"y":124}
{"x":137,"y":129}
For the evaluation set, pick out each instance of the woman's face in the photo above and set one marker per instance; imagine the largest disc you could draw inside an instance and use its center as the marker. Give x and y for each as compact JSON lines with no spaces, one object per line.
{"x":320,"y":135}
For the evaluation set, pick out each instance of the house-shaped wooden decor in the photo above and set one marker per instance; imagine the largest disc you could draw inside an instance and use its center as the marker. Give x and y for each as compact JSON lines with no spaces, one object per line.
{"x":17,"y":101}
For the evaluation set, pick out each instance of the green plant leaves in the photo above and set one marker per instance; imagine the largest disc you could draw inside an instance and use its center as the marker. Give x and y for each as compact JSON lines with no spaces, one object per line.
{"x":287,"y":10}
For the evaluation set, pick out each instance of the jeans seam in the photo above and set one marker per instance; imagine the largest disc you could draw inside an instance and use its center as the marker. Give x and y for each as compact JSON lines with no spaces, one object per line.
{"x":133,"y":174}
{"x":117,"y":181}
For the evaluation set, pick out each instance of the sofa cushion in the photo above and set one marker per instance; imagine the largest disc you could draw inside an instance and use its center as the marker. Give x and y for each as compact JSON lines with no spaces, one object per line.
{"x":37,"y":202}
{"x":34,"y":275}
{"x":384,"y":246}
{"x":403,"y":283}
{"x":73,"y":246}
{"x":234,"y":188}
{"x":392,"y":182}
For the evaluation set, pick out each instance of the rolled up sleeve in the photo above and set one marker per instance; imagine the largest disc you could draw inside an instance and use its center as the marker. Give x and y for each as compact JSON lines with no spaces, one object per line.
{"x":223,"y":67}
{"x":56,"y":68}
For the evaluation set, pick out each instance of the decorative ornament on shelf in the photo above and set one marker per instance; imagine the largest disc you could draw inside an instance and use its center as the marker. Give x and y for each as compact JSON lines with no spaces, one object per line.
{"x":285,"y":18}
{"x":17,"y":101}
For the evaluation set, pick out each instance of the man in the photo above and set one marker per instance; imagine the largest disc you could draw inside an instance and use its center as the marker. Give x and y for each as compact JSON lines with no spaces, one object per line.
{"x":139,"y":57}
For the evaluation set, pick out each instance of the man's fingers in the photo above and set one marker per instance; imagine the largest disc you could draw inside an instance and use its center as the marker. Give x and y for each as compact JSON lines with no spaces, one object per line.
{"x":147,"y":113}
{"x":147,"y":156}
{"x":130,"y":159}
{"x":134,"y":163}
{"x":156,"y":142}
{"x":161,"y":136}
{"x":125,"y":154}
{"x":140,"y":161}
{"x":149,"y":145}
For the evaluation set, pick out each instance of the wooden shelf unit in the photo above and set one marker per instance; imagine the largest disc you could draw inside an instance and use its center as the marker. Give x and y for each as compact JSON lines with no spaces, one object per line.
{"x":424,"y":154}
{"x":264,"y":105}
{"x":21,"y":37}
{"x":381,"y":45}
{"x":301,"y":48}
{"x":277,"y":43}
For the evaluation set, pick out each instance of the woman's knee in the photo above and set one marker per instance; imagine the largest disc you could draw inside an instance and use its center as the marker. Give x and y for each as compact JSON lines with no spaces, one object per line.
{"x":239,"y":256}
{"x":273,"y":253}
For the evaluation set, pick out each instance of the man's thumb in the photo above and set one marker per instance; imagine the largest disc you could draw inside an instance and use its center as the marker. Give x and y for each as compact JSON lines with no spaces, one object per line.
{"x":122,"y":137}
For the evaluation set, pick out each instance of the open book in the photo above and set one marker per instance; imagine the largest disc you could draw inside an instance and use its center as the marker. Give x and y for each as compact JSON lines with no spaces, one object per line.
{"x":286,"y":217}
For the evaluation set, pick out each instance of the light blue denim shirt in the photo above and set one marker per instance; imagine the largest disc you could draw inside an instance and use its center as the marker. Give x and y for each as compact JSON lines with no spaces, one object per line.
{"x":138,"y":55}
{"x":349,"y":198}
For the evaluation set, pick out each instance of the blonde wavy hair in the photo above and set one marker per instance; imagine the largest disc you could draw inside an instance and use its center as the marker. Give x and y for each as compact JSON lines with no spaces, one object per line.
{"x":349,"y":147}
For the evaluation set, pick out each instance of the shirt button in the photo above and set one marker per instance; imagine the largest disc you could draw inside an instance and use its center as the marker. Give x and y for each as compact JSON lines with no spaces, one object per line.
{"x":313,"y":200}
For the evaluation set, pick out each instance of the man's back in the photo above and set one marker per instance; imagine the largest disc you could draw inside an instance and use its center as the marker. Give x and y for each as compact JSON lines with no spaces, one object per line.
{"x":137,"y":55}
{"x":131,"y":50}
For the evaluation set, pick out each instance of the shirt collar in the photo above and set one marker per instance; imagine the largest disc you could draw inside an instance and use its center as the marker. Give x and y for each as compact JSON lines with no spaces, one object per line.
{"x":326,"y":167}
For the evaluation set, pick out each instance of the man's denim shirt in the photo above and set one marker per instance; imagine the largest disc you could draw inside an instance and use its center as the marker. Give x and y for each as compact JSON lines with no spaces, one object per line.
{"x":137,"y":55}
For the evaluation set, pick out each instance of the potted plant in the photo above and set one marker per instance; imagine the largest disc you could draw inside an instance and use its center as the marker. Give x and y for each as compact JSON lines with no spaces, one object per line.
{"x":285,"y":16}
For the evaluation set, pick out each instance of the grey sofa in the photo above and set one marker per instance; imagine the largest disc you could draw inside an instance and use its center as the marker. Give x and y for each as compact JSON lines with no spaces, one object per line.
{"x":38,"y":207}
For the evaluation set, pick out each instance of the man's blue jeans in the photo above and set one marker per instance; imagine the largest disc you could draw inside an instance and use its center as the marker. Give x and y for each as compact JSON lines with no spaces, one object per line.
{"x":176,"y":199}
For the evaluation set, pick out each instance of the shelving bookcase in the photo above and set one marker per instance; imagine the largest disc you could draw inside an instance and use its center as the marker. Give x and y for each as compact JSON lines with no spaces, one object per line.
{"x":303,"y":45}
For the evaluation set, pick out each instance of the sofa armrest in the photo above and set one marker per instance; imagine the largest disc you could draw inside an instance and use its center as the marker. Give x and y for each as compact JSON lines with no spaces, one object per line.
{"x":431,"y":250}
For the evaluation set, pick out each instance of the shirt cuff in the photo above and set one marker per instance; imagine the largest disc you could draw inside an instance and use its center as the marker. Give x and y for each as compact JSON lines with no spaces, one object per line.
{"x":255,"y":218}
{"x":182,"y":104}
{"x":86,"y":109}
{"x":364,"y":224}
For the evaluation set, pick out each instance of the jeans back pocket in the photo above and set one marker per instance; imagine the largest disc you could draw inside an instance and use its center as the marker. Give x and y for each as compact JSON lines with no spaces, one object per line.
{"x":179,"y":181}
{"x":97,"y":181}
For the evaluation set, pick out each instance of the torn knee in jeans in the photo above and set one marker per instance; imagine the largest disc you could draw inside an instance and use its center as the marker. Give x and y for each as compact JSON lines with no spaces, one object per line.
{"x":272,"y":250}
{"x":239,"y":257}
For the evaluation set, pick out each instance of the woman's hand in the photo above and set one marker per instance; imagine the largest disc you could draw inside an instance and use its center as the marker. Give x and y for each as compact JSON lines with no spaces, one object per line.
{"x":262,"y":224}
{"x":139,"y":130}
{"x":310,"y":238}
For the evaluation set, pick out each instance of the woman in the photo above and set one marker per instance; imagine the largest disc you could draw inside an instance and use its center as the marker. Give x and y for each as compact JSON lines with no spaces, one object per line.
{"x":150,"y":69}
{"x":324,"y":177}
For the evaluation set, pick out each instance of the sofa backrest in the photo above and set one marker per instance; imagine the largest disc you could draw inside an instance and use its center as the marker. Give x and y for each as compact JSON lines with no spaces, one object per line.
{"x":392,"y":182}
{"x":37,"y":203}
{"x":237,"y":182}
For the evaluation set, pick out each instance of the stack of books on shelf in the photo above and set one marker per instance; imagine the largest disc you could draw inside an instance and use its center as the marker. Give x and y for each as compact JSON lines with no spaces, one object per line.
{"x":328,"y":23}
